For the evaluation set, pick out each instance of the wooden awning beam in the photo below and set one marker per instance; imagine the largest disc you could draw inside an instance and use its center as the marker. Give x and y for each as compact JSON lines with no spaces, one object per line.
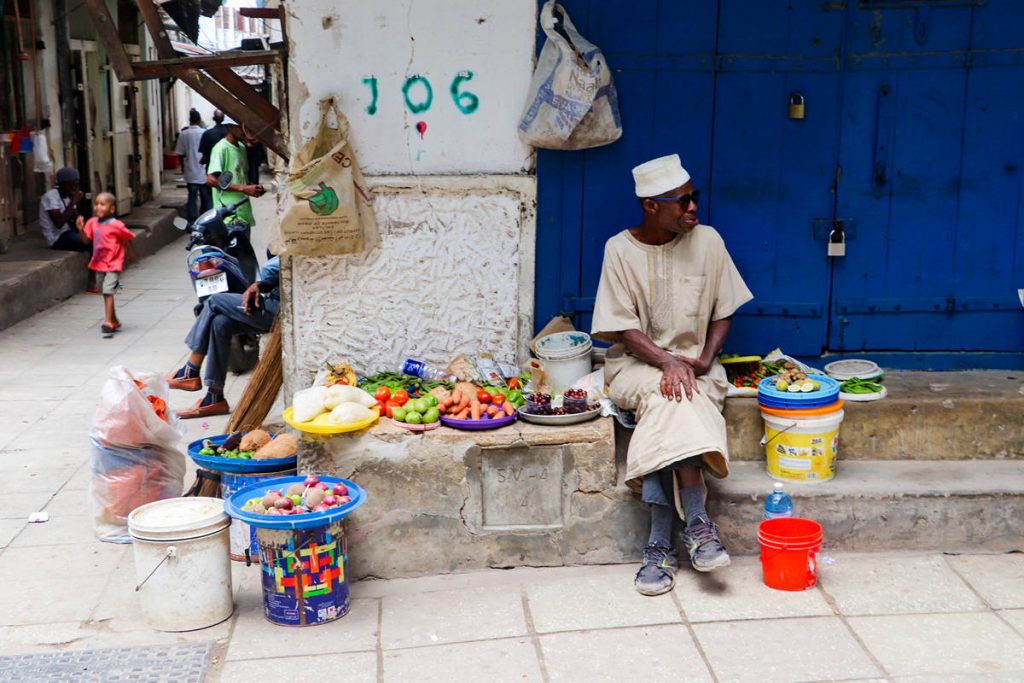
{"x":111,"y":39}
{"x":164,"y":67}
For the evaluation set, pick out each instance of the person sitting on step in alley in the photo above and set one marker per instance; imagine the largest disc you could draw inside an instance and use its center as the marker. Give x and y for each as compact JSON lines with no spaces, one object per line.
{"x":667,"y":292}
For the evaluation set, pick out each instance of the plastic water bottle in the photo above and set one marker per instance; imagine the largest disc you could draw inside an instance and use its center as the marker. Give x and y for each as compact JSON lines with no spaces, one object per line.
{"x":778,"y":503}
{"x":420,"y":369}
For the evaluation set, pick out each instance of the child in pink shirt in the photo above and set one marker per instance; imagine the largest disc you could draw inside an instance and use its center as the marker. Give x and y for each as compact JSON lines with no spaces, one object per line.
{"x":110,"y":241}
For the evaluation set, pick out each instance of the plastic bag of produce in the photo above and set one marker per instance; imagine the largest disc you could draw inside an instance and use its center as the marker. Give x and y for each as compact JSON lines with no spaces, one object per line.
{"x":572,"y":103}
{"x":349,"y":413}
{"x":340,"y":393}
{"x":325,"y":208}
{"x":308,"y":403}
{"x":125,"y":478}
{"x":135,"y":459}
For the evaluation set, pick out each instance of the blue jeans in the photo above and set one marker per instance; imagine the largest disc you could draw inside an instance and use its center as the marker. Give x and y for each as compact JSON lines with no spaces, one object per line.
{"x":200,"y":200}
{"x":219,"y":320}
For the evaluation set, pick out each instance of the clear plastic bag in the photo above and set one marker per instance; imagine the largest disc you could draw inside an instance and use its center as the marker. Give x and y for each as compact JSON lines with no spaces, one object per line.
{"x":135,"y":458}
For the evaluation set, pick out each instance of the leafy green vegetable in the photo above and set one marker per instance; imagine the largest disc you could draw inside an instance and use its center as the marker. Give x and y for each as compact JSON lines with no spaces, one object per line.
{"x":856,"y":385}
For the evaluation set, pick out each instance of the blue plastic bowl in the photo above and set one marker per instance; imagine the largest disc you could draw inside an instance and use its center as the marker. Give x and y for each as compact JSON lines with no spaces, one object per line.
{"x":233,"y":505}
{"x":235,"y":465}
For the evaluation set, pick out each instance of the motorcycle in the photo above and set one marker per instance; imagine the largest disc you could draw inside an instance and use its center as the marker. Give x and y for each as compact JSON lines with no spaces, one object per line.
{"x":221,"y":259}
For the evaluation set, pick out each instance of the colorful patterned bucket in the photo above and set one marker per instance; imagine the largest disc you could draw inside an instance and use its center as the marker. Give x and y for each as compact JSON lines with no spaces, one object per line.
{"x":242,"y":536}
{"x":303,"y":571}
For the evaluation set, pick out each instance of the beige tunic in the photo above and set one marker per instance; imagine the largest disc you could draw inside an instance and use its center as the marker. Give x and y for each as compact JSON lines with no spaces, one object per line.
{"x":671,"y":293}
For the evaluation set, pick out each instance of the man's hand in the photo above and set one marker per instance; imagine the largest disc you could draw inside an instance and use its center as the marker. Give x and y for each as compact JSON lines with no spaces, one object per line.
{"x":253,"y":190}
{"x":699,"y":365}
{"x":75,"y":198}
{"x":678,"y":379}
{"x":251,"y":299}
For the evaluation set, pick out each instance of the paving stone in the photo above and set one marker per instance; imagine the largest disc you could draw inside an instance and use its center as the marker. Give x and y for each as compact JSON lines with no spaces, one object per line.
{"x":452,"y":616}
{"x":55,"y":598}
{"x":173,"y":664}
{"x":360,"y":667}
{"x":738,"y":592}
{"x":894,"y":584}
{"x":9,"y":528}
{"x":602,"y":600}
{"x":41,"y":638}
{"x":76,"y":559}
{"x":255,"y":637}
{"x":811,"y":649}
{"x":998,"y":578}
{"x":487,"y":660}
{"x":1015,"y":617}
{"x":62,"y":529}
{"x":654,"y":653}
{"x":941,"y":643}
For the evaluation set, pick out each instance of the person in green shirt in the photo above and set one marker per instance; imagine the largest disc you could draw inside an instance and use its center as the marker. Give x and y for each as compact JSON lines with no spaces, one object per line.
{"x":231,"y":154}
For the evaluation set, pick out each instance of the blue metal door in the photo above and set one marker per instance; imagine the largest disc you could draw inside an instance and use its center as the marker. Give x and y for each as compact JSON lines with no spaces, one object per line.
{"x":911,"y":141}
{"x":931,"y":194}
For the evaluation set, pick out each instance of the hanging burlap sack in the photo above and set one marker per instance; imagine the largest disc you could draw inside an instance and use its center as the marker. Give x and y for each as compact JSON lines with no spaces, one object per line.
{"x":325,"y":207}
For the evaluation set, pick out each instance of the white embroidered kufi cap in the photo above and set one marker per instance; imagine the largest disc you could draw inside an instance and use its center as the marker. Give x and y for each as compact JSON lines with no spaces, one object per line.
{"x":660,"y":175}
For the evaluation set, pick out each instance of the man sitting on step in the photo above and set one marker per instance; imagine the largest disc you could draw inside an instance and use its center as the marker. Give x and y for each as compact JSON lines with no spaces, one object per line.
{"x":668,"y":289}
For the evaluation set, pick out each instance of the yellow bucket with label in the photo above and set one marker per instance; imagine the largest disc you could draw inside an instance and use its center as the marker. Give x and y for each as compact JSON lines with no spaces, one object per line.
{"x":802,"y":449}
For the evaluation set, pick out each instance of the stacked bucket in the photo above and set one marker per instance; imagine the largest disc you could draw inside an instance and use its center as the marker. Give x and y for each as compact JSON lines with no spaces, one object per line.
{"x":801,"y":430}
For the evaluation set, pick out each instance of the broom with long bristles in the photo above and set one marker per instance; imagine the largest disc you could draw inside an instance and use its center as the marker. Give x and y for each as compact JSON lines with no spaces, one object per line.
{"x":261,"y":392}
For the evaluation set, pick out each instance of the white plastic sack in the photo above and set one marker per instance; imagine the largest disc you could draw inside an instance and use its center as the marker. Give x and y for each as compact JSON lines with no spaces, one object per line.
{"x":308,"y":403}
{"x":135,"y":458}
{"x":573,"y":103}
{"x":341,"y":393}
{"x":42,"y":163}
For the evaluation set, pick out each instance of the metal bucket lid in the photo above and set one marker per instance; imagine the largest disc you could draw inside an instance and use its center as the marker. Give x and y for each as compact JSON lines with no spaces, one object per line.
{"x":853,"y":367}
{"x":177,"y":519}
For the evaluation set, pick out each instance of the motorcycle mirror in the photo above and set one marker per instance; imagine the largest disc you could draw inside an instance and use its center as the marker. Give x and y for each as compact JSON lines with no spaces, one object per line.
{"x":224,"y":179}
{"x":180,"y":223}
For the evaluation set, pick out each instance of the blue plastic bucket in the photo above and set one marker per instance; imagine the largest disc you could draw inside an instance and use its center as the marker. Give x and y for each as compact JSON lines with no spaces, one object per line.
{"x":303,"y":570}
{"x":242,"y":537}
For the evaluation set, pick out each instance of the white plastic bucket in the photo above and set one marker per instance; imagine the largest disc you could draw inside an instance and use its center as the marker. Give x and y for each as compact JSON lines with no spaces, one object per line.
{"x":802,"y":449}
{"x":182,"y":568}
{"x":566,"y":357}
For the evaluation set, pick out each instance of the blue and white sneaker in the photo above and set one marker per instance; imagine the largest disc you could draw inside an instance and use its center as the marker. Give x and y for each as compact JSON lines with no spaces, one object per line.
{"x":705,"y":549}
{"x":657,"y":575}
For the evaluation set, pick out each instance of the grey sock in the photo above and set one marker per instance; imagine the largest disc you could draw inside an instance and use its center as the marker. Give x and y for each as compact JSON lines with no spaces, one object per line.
{"x":692,"y":498}
{"x":662,"y":517}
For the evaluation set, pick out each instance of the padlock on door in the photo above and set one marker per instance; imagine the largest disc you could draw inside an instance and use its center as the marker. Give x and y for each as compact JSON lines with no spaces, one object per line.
{"x":837,"y":240}
{"x":796,"y":106}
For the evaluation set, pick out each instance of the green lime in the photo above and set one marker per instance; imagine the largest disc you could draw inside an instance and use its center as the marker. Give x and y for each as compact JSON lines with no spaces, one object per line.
{"x":296,"y":498}
{"x":398,"y":414}
{"x":414,"y":418}
{"x":432,"y":415}
{"x":419,"y":405}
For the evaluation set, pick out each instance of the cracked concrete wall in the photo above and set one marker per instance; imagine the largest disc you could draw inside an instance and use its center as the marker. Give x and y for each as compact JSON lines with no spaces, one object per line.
{"x":427,"y":496}
{"x":433,"y":92}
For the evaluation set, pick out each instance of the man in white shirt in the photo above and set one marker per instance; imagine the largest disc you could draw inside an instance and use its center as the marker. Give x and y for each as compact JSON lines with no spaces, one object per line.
{"x":58,"y":211}
{"x":187,"y":149}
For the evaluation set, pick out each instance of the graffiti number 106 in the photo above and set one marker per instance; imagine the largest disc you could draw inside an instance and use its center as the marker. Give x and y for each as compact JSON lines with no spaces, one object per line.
{"x":419,"y":94}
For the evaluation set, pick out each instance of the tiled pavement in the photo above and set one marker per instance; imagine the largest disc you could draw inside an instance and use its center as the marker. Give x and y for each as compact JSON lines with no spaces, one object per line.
{"x":926,"y":617}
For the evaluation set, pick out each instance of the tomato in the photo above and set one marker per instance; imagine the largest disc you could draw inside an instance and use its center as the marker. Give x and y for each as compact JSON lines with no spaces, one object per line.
{"x":499,"y":399}
{"x":382,"y":394}
{"x":389,"y":408}
{"x":401,"y":397}
{"x":341,"y":381}
{"x":513,"y":383}
{"x":483,"y":396}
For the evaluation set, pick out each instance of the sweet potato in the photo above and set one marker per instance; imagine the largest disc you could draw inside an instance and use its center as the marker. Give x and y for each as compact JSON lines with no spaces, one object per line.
{"x":283,"y":446}
{"x":475,"y":408}
{"x":491,"y":410}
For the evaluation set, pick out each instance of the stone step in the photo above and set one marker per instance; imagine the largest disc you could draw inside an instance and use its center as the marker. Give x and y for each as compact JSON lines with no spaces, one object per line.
{"x":926,"y":416}
{"x":876,"y":505}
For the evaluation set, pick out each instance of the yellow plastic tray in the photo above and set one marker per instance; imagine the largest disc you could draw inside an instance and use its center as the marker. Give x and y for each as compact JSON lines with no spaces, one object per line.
{"x":320,"y":425}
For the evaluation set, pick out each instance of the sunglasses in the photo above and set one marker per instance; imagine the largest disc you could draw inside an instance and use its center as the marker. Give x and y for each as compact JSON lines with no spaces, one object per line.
{"x":684,"y":201}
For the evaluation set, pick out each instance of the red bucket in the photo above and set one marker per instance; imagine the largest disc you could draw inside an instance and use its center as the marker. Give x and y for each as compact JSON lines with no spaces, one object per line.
{"x":789,"y":552}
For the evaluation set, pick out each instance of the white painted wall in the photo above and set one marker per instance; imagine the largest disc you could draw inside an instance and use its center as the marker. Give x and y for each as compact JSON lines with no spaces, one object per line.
{"x":455,"y":205}
{"x":339,"y":46}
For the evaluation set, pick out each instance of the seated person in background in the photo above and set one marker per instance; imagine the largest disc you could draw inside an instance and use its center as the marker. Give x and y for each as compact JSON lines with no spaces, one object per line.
{"x":58,"y":214}
{"x":223,"y":316}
